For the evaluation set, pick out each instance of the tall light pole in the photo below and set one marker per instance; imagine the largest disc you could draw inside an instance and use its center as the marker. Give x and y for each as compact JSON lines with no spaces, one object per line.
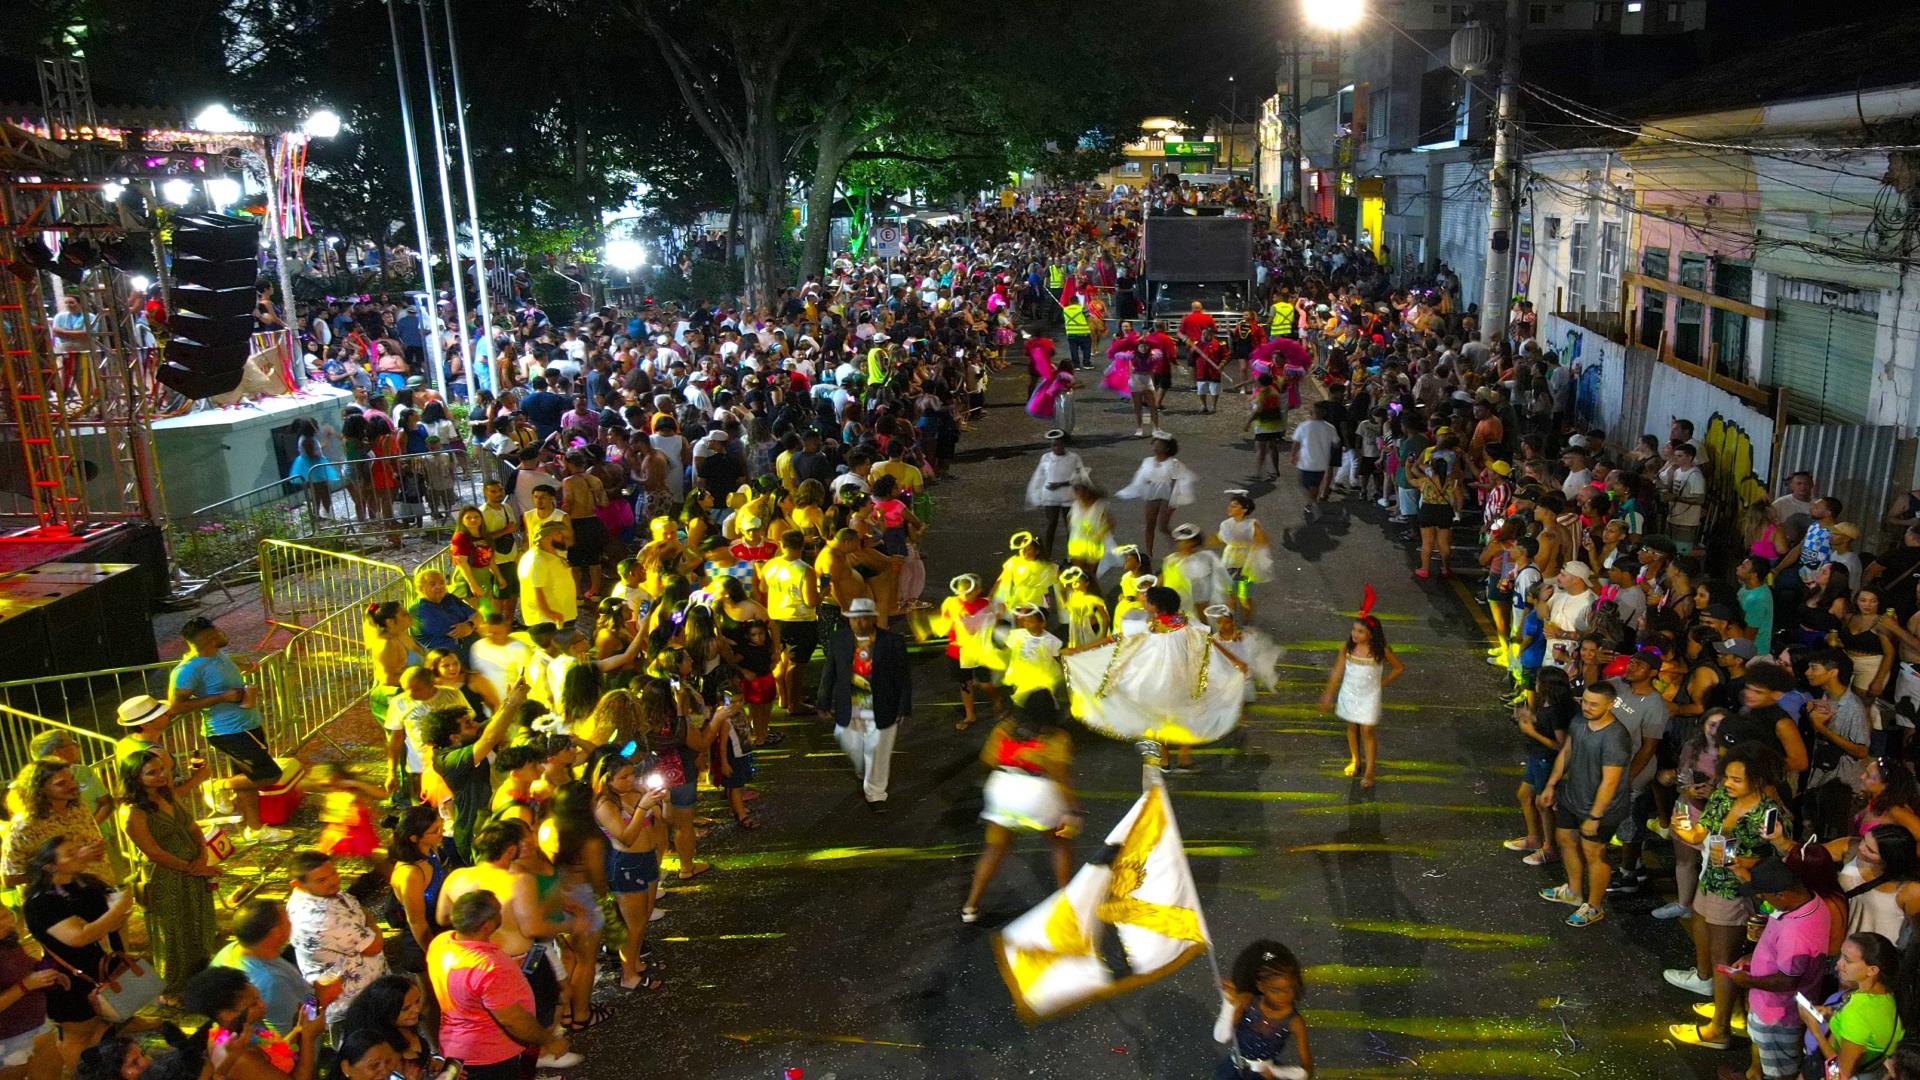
{"x":446,"y":198}
{"x":1498,"y":283}
{"x":480,"y":352}
{"x":1334,"y":17}
{"x":432,"y":314}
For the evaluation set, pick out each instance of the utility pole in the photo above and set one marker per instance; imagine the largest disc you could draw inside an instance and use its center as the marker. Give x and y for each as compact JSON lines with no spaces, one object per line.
{"x":1296,"y":138}
{"x":1498,"y":288}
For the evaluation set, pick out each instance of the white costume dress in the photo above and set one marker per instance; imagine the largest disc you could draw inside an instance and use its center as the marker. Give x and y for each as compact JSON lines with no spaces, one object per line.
{"x":1199,"y":577}
{"x":1253,"y":562}
{"x":1167,"y":481}
{"x":1090,"y":534}
{"x":1064,"y":469}
{"x":1261,"y":655}
{"x":1168,"y":684}
{"x":1359,"y":698}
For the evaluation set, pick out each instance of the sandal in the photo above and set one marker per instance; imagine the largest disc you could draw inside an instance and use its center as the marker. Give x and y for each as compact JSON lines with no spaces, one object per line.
{"x":745,"y":822}
{"x":698,"y":869}
{"x":1690,"y":1034}
{"x":964,"y":723}
{"x":648,"y":981}
{"x":596,"y":1014}
{"x":774,"y":738}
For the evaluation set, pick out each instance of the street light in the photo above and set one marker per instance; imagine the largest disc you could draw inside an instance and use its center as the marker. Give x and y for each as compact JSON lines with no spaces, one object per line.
{"x":323,"y":124}
{"x":625,"y":256}
{"x":1333,"y":14}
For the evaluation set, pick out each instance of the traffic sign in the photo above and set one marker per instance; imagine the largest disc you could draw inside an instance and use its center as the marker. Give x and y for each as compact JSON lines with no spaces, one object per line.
{"x":887,"y":238}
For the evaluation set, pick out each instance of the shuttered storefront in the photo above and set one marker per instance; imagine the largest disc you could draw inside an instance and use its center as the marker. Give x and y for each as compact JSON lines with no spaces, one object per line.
{"x":1823,"y":350}
{"x":1463,"y":225}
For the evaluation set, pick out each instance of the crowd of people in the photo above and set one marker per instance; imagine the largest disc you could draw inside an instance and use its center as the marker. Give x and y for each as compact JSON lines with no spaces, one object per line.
{"x":694,"y":518}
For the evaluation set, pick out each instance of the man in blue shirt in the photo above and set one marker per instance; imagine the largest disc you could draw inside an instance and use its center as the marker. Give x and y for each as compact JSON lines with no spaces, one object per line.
{"x":440,"y":619}
{"x":260,"y":936}
{"x":543,"y":407}
{"x":412,"y":337}
{"x":209,"y":679}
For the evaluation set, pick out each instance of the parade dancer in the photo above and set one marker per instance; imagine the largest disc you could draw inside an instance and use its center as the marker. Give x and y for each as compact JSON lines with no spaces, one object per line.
{"x":1033,"y":656}
{"x":1090,"y":529}
{"x":1026,"y":791}
{"x":1130,"y":606}
{"x":1259,"y":1016}
{"x":1194,"y":572}
{"x":968,"y":619}
{"x":1246,"y":553}
{"x":1361,"y":672}
{"x":1162,"y":483}
{"x":1171,"y":683}
{"x":1052,"y":395}
{"x":1052,"y":485}
{"x":1026,"y":577}
{"x":1082,"y":609}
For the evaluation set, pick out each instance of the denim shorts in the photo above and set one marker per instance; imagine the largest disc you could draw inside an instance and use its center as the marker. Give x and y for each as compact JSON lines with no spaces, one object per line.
{"x":684,"y":795}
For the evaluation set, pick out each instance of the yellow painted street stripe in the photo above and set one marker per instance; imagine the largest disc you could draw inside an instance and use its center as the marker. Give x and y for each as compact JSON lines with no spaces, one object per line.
{"x":1446,"y":935}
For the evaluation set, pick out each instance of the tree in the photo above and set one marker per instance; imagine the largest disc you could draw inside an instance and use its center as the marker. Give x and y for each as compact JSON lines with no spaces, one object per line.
{"x":756,"y":40}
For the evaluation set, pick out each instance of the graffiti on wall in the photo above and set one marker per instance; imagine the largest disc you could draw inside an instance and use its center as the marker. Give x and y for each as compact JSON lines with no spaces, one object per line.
{"x":1586,"y":377}
{"x":1732,"y":484}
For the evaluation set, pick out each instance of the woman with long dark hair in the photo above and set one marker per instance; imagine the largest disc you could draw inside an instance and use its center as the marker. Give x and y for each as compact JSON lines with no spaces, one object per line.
{"x":625,"y":806}
{"x":235,"y":1029}
{"x":571,"y":838}
{"x":1543,"y":729}
{"x":419,"y":861}
{"x":390,"y":1009}
{"x":175,"y":867}
{"x":77,"y":919}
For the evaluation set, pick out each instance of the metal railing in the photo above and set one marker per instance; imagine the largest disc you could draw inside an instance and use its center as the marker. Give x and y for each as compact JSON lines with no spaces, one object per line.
{"x":322,"y":671}
{"x":219,"y":541}
{"x":301,"y":582}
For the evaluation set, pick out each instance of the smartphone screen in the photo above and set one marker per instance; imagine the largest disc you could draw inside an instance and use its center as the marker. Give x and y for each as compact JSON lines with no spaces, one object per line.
{"x":1769,"y":822}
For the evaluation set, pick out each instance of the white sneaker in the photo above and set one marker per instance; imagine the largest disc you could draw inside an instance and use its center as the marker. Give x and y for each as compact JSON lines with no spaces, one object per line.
{"x":1675,"y":910}
{"x":1382,"y":503}
{"x":1685,"y":979}
{"x":1139,"y":433}
{"x":565,"y":1061}
{"x":657,"y":914}
{"x":267,"y":835}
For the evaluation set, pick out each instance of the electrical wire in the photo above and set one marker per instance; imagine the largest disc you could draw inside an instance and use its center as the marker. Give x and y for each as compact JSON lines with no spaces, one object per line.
{"x":1671,"y":136}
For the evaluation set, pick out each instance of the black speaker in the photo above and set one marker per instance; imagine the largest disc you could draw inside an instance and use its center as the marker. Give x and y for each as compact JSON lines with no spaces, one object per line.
{"x":215,"y":264}
{"x":216,"y":236}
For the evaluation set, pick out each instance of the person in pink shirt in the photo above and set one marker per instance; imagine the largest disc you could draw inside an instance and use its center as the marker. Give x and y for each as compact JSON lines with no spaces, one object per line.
{"x":1789,"y":959}
{"x":486,"y":1005}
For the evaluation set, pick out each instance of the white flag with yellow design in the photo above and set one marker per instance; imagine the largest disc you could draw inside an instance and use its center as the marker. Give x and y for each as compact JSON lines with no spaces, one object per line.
{"x":1050,"y":956}
{"x":1151,"y":898}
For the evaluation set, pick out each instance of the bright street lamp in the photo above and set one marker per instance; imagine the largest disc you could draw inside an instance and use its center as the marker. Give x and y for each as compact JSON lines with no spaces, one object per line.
{"x":112,"y":190}
{"x":625,"y":256}
{"x":177,"y":191}
{"x":323,"y":124}
{"x":219,"y":119}
{"x":140,"y":283}
{"x":1333,"y":14}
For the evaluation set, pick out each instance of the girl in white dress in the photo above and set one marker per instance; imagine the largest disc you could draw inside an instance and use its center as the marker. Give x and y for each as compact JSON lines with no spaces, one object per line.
{"x":1089,"y":529}
{"x":1194,"y":572}
{"x":1026,"y":577}
{"x":1163,"y":484}
{"x":1362,"y":670}
{"x":1248,"y":556}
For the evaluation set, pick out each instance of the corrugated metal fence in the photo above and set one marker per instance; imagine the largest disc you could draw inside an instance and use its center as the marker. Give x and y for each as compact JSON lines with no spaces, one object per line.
{"x":1861,"y":465}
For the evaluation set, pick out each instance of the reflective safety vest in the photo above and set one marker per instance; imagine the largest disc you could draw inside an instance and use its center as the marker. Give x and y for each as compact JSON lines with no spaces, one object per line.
{"x":1056,"y":276}
{"x":1281,"y":320}
{"x":1076,"y":317}
{"x":877,"y":366}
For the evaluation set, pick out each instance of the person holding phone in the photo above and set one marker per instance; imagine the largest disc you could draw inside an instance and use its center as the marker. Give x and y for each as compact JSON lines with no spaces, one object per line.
{"x":626,"y":805}
{"x":1729,"y":828}
{"x":236,"y":1035}
{"x":1857,"y":1027}
{"x":1692,"y":780}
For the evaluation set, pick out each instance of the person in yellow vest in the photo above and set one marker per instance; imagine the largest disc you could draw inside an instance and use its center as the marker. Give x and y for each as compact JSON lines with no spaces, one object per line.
{"x":877,"y":368}
{"x":1281,"y":318}
{"x":1079,"y":332}
{"x":1056,"y":277}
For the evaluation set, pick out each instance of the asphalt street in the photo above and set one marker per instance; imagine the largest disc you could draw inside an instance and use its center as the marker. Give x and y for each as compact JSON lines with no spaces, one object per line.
{"x":830,"y":940}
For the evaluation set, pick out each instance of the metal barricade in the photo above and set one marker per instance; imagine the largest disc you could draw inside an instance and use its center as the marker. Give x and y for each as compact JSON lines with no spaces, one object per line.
{"x":300,"y":583}
{"x":19,"y":728}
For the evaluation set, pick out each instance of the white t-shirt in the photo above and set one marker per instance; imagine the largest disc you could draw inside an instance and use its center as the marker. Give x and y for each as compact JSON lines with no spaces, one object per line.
{"x":1315,"y":441}
{"x":548,"y":572}
{"x":1567,"y":612}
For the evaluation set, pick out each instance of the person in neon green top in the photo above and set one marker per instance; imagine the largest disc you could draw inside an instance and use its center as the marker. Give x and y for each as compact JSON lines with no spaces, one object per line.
{"x":1864,"y":1026}
{"x":1079,"y":332}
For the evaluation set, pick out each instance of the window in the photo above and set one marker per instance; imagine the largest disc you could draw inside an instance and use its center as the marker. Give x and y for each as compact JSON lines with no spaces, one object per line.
{"x":1606,"y":14}
{"x":1653,"y":262}
{"x":1676,"y":13}
{"x":1611,"y":255}
{"x":1537,"y":14}
{"x":1653,"y":316}
{"x":1693,"y":270}
{"x":1577,"y":266}
{"x":1727,"y":330}
{"x":1377,"y":103}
